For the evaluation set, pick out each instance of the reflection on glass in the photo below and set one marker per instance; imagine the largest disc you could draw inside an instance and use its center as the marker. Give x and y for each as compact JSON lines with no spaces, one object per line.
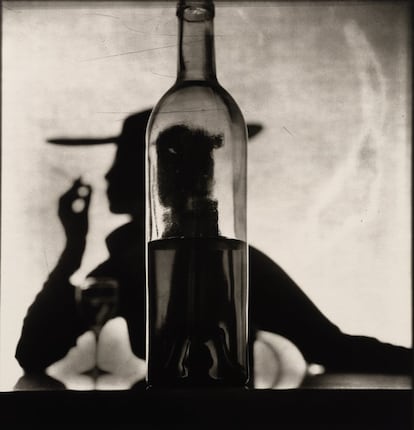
{"x":97,"y":302}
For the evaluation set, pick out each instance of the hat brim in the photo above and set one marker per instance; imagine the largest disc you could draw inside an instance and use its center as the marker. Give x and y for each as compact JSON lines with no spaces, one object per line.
{"x":252,"y":130}
{"x":83,"y":141}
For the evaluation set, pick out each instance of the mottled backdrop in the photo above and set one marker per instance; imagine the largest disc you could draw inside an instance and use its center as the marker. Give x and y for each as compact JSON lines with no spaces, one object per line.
{"x":329,"y":176}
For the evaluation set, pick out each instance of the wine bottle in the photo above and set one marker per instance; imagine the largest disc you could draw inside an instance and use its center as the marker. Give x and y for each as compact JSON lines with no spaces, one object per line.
{"x":197,"y":284}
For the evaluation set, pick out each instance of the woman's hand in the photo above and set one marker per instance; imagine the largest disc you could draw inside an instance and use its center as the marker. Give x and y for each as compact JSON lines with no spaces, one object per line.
{"x":73,"y":214}
{"x":73,"y":211}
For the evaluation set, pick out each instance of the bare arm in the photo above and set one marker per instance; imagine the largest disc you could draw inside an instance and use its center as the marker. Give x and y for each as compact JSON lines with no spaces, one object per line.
{"x":51,"y":325}
{"x":280,"y":306}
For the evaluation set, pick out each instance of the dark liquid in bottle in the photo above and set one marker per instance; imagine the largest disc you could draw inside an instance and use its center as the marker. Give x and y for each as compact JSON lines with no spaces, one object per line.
{"x":197,"y":326}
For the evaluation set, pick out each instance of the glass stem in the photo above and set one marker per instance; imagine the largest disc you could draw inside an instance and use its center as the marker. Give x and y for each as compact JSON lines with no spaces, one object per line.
{"x":96,"y":371}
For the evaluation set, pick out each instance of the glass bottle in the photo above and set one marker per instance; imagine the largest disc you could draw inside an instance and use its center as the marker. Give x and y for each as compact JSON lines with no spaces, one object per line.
{"x":197,"y":283}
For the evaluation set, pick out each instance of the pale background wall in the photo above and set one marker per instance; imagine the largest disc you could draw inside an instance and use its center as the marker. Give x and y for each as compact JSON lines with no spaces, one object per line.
{"x":329,"y":176}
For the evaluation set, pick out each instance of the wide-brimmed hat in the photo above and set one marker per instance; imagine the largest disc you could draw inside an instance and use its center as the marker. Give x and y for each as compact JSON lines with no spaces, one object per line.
{"x":134,"y":125}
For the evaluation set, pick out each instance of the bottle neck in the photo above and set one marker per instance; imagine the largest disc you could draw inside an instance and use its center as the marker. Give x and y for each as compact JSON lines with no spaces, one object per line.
{"x":196,"y":60}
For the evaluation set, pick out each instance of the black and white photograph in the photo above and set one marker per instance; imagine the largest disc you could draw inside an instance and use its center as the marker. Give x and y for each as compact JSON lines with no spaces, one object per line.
{"x":206,"y":196}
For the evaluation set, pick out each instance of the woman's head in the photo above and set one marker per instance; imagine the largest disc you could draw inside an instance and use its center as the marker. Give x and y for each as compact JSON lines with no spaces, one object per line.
{"x":126,"y":177}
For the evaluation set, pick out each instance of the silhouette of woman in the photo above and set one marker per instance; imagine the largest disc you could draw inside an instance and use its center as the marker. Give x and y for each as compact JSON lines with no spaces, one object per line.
{"x":52,"y":325}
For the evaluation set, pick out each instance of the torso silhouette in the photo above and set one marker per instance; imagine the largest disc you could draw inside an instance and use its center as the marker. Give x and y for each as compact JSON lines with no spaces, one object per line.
{"x":277,"y":304}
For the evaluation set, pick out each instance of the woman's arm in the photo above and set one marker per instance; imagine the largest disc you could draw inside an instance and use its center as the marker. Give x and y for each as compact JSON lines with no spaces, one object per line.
{"x":278,"y":305}
{"x":52,"y":325}
{"x":50,"y":328}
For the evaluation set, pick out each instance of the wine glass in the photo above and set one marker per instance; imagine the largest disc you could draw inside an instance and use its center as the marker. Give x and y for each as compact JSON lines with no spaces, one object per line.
{"x":97,"y":301}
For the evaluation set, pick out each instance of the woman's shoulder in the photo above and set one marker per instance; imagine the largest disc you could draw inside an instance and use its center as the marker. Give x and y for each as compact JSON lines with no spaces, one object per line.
{"x":258,"y":256}
{"x":262,"y":265}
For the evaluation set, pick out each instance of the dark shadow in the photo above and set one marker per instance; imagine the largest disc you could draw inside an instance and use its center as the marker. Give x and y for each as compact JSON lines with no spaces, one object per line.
{"x":277,"y":304}
{"x":36,"y":381}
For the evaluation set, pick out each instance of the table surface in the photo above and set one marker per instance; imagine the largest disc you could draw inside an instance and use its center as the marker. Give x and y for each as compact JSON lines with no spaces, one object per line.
{"x":358,"y":381}
{"x":318,"y":404}
{"x":324,"y":381}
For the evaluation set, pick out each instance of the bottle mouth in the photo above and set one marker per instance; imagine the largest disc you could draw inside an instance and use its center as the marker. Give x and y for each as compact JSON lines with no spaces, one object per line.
{"x":195,"y":10}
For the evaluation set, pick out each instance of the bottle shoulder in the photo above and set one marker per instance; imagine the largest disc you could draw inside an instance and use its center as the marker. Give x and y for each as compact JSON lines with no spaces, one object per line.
{"x":199,"y":105}
{"x":203,"y":94}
